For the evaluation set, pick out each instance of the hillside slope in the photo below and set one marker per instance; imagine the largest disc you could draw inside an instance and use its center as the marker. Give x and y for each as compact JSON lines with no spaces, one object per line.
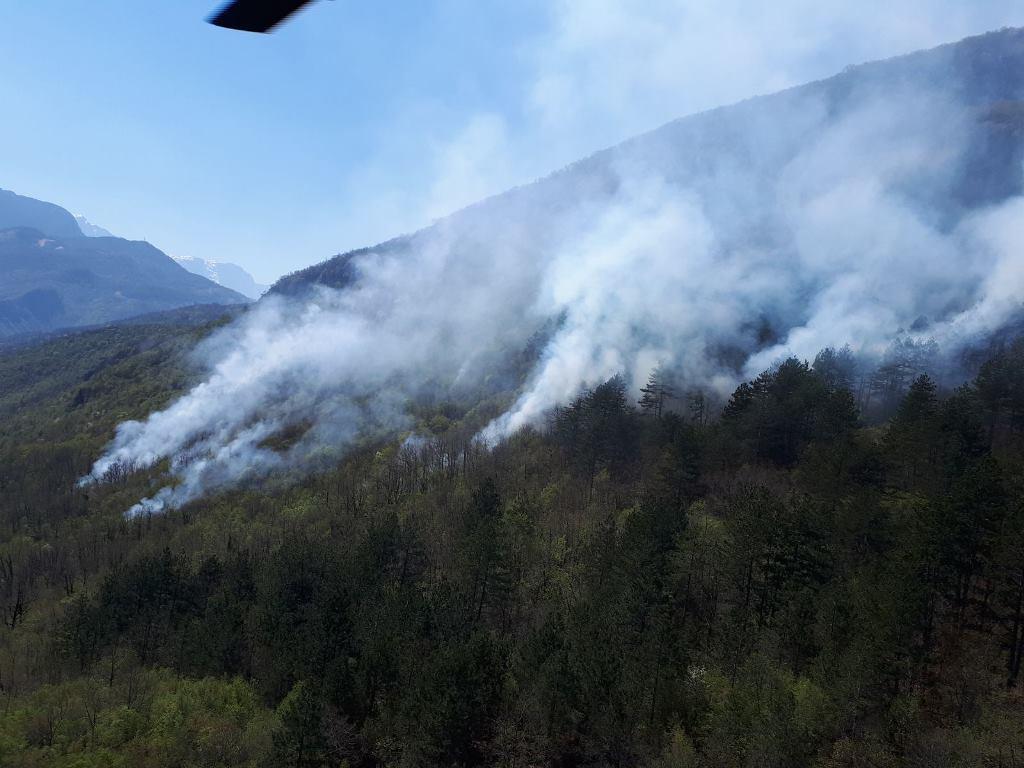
{"x":780,"y":587}
{"x":91,"y":230}
{"x":19,"y":211}
{"x":824,"y":570}
{"x":49,"y":282}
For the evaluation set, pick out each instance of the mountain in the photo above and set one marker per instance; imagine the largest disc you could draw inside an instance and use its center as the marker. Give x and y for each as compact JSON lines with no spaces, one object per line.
{"x":224,"y":273}
{"x":19,"y":211}
{"x":58,"y":270}
{"x":823,"y":570}
{"x":91,"y":230}
{"x":751,"y":143}
{"x":49,"y":281}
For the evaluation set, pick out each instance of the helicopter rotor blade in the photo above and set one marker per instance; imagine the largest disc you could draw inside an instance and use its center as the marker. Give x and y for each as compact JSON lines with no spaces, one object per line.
{"x":255,"y":15}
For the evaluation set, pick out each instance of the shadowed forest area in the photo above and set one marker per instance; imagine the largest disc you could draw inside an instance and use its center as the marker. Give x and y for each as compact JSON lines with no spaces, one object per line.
{"x":826,"y":570}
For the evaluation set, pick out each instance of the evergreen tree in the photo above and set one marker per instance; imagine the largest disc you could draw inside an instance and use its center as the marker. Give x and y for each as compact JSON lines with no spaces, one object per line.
{"x":299,"y":741}
{"x":657,"y":392}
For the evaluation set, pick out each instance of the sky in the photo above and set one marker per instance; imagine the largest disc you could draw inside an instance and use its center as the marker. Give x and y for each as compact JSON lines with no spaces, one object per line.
{"x":358,"y":121}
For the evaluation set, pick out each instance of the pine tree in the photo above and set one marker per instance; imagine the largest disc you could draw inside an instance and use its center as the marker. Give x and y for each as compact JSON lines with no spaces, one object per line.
{"x":656,"y":393}
{"x":700,"y":405}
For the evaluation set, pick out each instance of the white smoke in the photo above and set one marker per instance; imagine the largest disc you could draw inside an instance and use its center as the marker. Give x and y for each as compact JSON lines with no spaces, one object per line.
{"x":594,"y":72}
{"x":654,"y":282}
{"x":826,"y":228}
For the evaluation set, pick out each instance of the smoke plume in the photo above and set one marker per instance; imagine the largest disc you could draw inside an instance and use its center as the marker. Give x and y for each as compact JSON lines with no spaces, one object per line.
{"x":850,"y":212}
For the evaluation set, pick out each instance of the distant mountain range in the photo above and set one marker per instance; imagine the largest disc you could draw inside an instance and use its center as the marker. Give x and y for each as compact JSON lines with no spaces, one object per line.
{"x":52,"y":276}
{"x":224,"y":273}
{"x":221,"y":272}
{"x":91,"y":230}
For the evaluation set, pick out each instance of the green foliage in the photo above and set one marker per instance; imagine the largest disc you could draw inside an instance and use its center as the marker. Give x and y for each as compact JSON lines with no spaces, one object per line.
{"x":169,"y":722}
{"x":782,"y":410}
{"x":299,"y":740}
{"x":779,"y":587}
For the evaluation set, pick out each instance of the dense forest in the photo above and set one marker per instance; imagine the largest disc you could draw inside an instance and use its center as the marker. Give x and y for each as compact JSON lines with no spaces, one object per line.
{"x":825,"y":570}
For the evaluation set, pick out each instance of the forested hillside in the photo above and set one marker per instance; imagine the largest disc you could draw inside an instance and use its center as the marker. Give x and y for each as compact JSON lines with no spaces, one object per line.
{"x":581,"y":475}
{"x":826,"y":570}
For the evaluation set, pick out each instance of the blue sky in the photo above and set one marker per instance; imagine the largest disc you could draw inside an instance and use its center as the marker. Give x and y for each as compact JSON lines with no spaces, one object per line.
{"x":359,"y":120}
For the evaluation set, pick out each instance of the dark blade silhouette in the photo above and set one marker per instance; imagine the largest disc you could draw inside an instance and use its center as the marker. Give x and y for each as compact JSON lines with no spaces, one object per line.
{"x":256,"y":15}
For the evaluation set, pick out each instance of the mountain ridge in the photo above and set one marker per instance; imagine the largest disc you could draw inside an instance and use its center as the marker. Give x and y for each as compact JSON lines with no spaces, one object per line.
{"x":976,"y":70}
{"x":92,"y":230}
{"x":224,"y":273}
{"x":49,"y":282}
{"x":20,"y":211}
